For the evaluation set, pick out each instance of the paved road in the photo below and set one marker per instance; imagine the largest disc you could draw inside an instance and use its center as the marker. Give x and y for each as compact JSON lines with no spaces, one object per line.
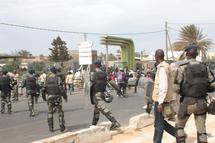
{"x":21,"y":128}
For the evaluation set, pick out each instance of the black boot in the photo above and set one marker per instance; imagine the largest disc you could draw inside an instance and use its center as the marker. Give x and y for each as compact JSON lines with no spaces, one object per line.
{"x":50,"y":123}
{"x":2,"y":108}
{"x":9,"y":107}
{"x":62,"y":127}
{"x":62,"y":122}
{"x":95,"y":121}
{"x":114,"y":122}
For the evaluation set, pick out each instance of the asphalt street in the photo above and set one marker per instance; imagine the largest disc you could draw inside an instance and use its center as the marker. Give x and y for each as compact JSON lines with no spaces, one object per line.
{"x":20,"y":128}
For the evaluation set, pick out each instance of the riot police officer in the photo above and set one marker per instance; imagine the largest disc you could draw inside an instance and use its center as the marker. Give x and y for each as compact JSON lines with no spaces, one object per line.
{"x":30,"y":83}
{"x":5,"y":87}
{"x":99,"y":80}
{"x":54,"y":90}
{"x":193,"y":78}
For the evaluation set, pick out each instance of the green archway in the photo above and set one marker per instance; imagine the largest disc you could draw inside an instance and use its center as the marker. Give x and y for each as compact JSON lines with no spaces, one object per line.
{"x":127,"y":49}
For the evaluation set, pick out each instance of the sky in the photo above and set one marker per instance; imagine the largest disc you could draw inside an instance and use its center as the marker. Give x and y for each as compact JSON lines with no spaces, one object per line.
{"x":99,"y":16}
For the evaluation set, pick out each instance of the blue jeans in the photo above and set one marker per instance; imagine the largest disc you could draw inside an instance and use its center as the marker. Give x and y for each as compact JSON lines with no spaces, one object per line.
{"x":160,"y":125}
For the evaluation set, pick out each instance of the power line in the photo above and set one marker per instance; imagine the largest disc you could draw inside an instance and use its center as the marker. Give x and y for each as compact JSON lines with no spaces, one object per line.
{"x":75,"y":32}
{"x":209,"y":23}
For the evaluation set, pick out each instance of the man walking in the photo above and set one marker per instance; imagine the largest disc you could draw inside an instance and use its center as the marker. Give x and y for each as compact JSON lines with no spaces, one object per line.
{"x":5,"y":87}
{"x":99,"y":80}
{"x":54,"y":90}
{"x":162,"y":93}
{"x":193,"y":79}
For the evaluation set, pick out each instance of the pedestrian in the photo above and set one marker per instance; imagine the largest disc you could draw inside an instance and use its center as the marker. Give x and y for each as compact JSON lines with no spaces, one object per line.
{"x":55,"y":91}
{"x":99,"y":82}
{"x":15,"y":79}
{"x":5,"y":87}
{"x":30,"y":83}
{"x":162,"y":93}
{"x":69,"y":82}
{"x":121,"y":81}
{"x":193,"y":78}
{"x":149,"y":90}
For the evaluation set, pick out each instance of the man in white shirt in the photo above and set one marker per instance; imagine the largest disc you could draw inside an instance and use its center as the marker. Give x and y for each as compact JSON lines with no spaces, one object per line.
{"x":162,"y":93}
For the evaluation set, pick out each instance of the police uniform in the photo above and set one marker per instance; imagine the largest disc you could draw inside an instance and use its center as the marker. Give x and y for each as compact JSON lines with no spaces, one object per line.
{"x":5,"y":88}
{"x":31,"y":88}
{"x":99,"y":80}
{"x":193,"y":78}
{"x":54,"y":90}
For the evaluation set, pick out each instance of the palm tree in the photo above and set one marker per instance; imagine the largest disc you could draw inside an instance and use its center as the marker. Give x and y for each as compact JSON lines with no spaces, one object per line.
{"x":193,"y":35}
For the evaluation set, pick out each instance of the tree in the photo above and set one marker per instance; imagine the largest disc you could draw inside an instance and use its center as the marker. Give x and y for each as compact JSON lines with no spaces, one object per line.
{"x":193,"y":35}
{"x":59,"y":52}
{"x":24,"y":53}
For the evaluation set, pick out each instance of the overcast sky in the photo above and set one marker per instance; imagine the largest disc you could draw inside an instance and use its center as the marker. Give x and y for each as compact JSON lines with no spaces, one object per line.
{"x":102,"y":16}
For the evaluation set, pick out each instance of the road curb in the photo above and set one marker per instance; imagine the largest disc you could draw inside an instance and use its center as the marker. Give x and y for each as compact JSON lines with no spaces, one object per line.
{"x":100,"y":133}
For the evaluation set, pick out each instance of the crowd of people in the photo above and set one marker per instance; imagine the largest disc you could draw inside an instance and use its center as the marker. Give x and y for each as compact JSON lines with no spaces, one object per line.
{"x":183,"y":90}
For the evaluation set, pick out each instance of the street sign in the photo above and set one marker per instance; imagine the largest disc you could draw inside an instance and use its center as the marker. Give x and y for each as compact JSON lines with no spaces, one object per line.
{"x":85,"y":53}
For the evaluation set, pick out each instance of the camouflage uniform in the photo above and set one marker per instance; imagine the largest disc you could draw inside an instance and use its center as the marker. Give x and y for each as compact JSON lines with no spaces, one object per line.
{"x":54,"y":101}
{"x":189,"y":105}
{"x":98,"y":96}
{"x":30,"y":83}
{"x":5,"y":93}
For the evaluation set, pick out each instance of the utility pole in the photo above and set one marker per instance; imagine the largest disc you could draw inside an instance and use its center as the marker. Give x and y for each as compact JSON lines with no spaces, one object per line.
{"x":106,"y":57}
{"x":85,"y":37}
{"x":166,"y":31}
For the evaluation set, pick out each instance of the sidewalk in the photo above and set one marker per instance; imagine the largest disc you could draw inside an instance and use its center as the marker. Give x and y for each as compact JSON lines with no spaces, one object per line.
{"x":145,"y":135}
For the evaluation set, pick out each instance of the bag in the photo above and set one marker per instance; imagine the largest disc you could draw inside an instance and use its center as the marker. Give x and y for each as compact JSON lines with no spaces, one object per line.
{"x":168,"y":111}
{"x":211,"y":107}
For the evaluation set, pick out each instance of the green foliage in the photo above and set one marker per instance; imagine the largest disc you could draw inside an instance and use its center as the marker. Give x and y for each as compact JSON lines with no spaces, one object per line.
{"x":59,"y":52}
{"x":11,"y":66}
{"x":38,"y":66}
{"x":24,"y":53}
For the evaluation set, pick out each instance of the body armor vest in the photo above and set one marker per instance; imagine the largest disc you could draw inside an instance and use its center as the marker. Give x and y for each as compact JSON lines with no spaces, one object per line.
{"x":31,"y":83}
{"x":5,"y":83}
{"x":100,"y":81}
{"x":196,"y":81}
{"x":52,"y":87}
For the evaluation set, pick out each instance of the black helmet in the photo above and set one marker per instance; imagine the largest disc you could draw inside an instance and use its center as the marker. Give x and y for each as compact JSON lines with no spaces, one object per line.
{"x":108,"y":98}
{"x":97,"y":62}
{"x":31,"y":71}
{"x":53,"y":69}
{"x":191,"y":47}
{"x":4,"y":72}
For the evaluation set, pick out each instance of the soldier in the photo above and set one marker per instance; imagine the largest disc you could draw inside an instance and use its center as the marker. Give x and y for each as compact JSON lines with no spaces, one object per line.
{"x":99,"y":80}
{"x":193,"y":79}
{"x":5,"y":87}
{"x":30,"y":83}
{"x":54,"y":90}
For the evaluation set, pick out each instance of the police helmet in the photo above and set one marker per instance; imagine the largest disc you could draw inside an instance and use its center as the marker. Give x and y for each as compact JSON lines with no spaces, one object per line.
{"x":53,"y":69}
{"x":108,"y":98}
{"x":97,"y":62}
{"x":4,"y":72}
{"x":191,"y":47}
{"x":31,"y":71}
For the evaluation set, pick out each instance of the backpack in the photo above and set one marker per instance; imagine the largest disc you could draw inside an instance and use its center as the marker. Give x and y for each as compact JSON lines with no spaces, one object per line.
{"x":52,"y":87}
{"x":196,"y":81}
